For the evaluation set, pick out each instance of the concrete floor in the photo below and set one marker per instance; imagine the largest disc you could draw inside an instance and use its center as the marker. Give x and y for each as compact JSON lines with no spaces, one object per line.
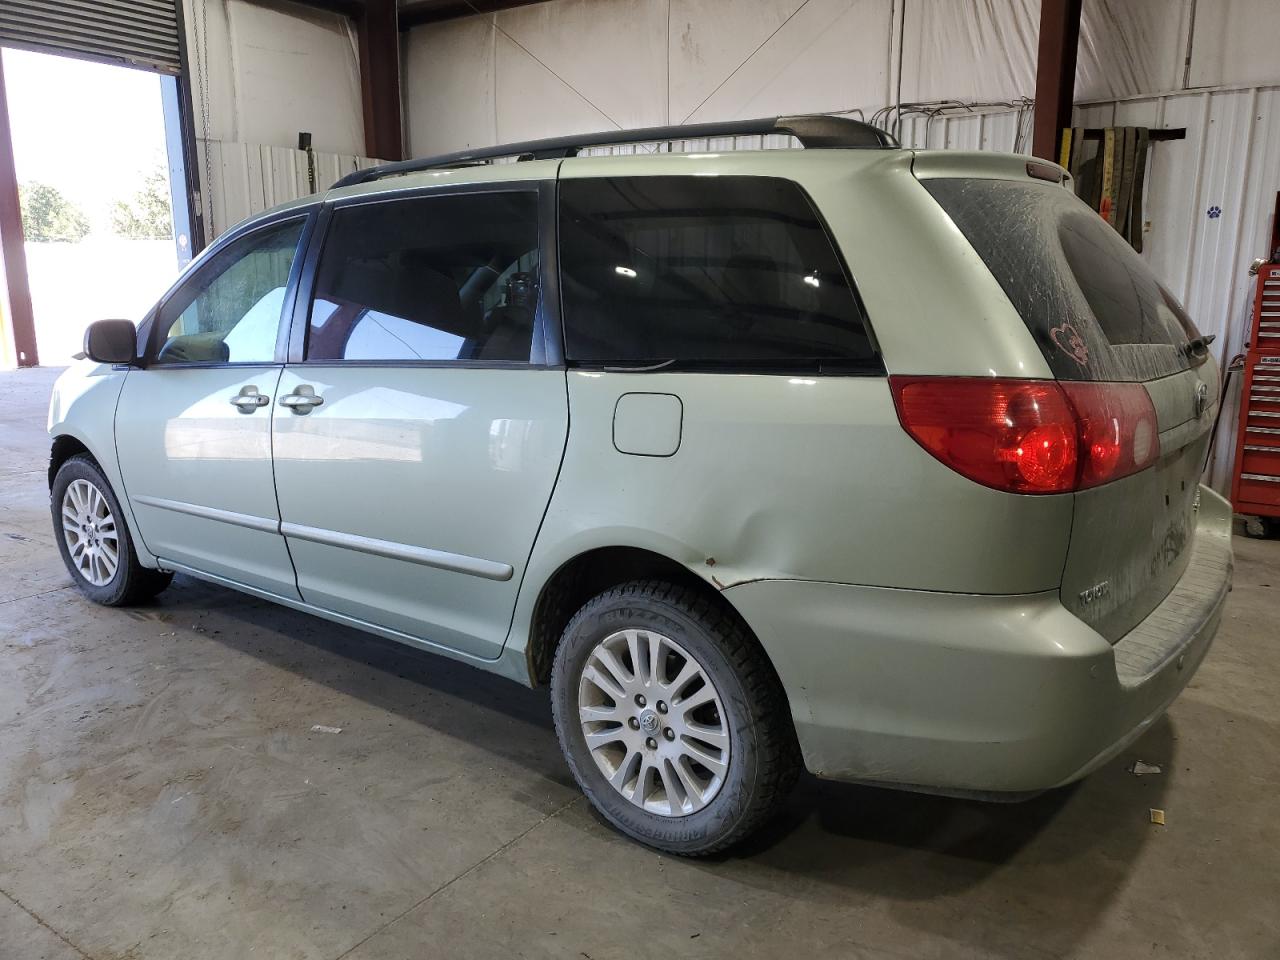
{"x":162,"y":795}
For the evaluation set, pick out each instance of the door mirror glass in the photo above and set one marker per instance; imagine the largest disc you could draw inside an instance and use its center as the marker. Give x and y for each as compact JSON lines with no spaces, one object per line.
{"x":111,"y":341}
{"x":229,"y":311}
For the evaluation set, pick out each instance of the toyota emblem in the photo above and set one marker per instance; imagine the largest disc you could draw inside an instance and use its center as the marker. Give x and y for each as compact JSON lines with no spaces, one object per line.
{"x":1202,"y":398}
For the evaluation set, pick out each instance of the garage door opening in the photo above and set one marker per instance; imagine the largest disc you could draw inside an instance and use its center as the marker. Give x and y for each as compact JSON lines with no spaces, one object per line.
{"x":95,"y":150}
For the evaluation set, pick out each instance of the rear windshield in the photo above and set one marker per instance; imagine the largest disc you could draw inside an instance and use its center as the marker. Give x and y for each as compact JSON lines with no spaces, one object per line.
{"x":705,"y":272}
{"x":1089,"y":300}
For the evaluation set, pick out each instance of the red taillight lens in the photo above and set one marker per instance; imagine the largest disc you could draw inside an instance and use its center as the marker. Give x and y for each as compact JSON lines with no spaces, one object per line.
{"x":1118,"y":431}
{"x":1030,"y":436}
{"x":1016,"y":435}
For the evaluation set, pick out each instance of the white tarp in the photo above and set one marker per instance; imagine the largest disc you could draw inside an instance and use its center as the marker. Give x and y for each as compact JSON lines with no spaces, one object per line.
{"x":578,"y":65}
{"x":261,"y":72}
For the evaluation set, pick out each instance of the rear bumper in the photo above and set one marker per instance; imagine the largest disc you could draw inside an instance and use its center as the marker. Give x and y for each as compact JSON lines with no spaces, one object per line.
{"x":986,"y":694}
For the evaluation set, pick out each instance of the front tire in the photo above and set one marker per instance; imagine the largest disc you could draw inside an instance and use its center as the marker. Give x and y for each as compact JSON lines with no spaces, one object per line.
{"x":94,"y":540}
{"x":671,"y":718}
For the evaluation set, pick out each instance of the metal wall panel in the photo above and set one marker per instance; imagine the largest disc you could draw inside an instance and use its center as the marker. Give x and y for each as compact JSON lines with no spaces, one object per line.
{"x":248,"y":178}
{"x":141,"y":33}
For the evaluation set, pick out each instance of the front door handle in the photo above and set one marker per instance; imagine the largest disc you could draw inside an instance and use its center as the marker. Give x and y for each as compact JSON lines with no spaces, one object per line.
{"x":249,"y":399}
{"x":303,"y":399}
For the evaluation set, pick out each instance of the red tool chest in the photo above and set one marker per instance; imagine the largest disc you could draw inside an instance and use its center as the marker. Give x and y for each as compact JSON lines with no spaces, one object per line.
{"x":1255,"y":486}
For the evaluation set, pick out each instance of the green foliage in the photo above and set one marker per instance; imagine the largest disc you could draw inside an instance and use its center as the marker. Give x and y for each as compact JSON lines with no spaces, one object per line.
{"x":146,"y":216}
{"x":48,"y":215}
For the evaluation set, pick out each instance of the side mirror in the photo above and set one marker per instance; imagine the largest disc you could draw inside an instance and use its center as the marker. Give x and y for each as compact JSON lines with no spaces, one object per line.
{"x":111,"y":341}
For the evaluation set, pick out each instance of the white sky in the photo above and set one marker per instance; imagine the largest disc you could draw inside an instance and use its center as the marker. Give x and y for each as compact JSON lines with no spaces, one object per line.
{"x":89,"y":129}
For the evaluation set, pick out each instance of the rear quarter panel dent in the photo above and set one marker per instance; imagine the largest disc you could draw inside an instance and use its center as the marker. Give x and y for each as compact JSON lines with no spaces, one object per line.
{"x":801,"y":478}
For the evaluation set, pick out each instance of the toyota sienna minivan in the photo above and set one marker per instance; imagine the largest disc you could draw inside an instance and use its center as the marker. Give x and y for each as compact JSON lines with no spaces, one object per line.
{"x":878,"y":462}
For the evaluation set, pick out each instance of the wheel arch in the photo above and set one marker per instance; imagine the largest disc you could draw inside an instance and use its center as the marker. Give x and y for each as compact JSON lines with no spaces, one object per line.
{"x":64,"y":447}
{"x":66,"y":444}
{"x":592,"y":571}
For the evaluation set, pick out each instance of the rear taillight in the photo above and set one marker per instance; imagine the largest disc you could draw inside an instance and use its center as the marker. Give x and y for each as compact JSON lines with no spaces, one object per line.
{"x":1117,"y":430}
{"x":1030,"y":436}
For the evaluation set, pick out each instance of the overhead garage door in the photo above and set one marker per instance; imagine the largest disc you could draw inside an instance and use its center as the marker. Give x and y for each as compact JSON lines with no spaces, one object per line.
{"x":142,"y":33}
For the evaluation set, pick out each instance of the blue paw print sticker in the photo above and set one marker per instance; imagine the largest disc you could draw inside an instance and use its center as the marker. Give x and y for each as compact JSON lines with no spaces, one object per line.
{"x":1215,"y":212}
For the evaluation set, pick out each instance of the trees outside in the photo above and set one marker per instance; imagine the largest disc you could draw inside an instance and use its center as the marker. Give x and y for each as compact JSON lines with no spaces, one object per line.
{"x":47,"y":215}
{"x":146,"y":216}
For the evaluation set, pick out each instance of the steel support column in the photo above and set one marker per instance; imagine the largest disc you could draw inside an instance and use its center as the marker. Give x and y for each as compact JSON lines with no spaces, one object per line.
{"x":1055,"y":74}
{"x":16,"y":319}
{"x":379,"y":34}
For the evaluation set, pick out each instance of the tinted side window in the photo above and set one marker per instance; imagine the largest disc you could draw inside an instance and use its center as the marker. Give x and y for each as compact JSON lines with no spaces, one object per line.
{"x":1092,"y":304}
{"x":711,"y":271}
{"x":229,"y":311}
{"x":451,"y":277}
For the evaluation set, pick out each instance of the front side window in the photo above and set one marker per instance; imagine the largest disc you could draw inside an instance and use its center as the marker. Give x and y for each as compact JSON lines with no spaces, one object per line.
{"x":448,"y":277}
{"x":704,"y":272}
{"x":229,"y":311}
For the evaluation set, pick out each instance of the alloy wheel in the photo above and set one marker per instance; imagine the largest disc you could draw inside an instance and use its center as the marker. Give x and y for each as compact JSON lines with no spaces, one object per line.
{"x":653,"y":722}
{"x":90,"y":532}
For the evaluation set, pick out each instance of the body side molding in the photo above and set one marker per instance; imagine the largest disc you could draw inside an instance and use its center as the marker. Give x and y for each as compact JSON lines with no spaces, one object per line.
{"x":211,"y":513}
{"x":459,"y":563}
{"x":441,"y":559}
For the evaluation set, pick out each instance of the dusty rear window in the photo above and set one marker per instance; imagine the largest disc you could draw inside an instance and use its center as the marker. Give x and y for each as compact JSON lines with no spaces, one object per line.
{"x":1093,"y":306}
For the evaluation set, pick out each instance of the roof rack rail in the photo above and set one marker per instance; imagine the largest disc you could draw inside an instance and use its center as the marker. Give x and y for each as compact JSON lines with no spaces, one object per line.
{"x":813,"y":132}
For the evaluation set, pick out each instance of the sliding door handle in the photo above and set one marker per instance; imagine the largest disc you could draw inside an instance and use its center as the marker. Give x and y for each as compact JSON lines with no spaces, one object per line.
{"x":303,"y":399}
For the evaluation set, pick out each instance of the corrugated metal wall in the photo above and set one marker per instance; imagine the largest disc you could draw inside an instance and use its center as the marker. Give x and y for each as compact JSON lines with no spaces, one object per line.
{"x":247,"y":178}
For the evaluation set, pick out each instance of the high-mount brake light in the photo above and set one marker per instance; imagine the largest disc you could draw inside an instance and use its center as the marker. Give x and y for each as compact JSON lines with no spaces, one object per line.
{"x":1030,"y":436}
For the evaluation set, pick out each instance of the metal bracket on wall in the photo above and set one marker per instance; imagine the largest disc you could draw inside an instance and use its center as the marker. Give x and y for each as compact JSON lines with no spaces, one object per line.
{"x":304,"y":144}
{"x":1170,"y":133}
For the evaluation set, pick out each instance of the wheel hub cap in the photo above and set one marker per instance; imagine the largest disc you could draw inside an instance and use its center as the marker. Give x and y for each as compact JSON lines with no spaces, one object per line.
{"x":653,"y":722}
{"x":89,"y":529}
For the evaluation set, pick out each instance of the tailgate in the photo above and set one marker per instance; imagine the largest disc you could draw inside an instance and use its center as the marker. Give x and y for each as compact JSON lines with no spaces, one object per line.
{"x":1131,"y":539}
{"x":1098,"y":314}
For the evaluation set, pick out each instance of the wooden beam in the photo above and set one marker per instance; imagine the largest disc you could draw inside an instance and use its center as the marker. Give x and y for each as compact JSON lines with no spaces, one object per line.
{"x":16,"y":306}
{"x":1055,"y":74}
{"x":379,"y":33}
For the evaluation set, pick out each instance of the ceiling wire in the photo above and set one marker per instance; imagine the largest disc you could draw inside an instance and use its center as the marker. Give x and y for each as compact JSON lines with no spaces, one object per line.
{"x":202,"y":78}
{"x":894,"y":114}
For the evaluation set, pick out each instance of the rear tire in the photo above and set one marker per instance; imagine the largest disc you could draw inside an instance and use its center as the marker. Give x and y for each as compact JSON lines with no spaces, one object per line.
{"x":94,"y":539}
{"x":692,"y":746}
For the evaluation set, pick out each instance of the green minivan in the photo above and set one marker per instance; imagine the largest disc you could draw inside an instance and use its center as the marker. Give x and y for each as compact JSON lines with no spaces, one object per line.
{"x":878,"y":462}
